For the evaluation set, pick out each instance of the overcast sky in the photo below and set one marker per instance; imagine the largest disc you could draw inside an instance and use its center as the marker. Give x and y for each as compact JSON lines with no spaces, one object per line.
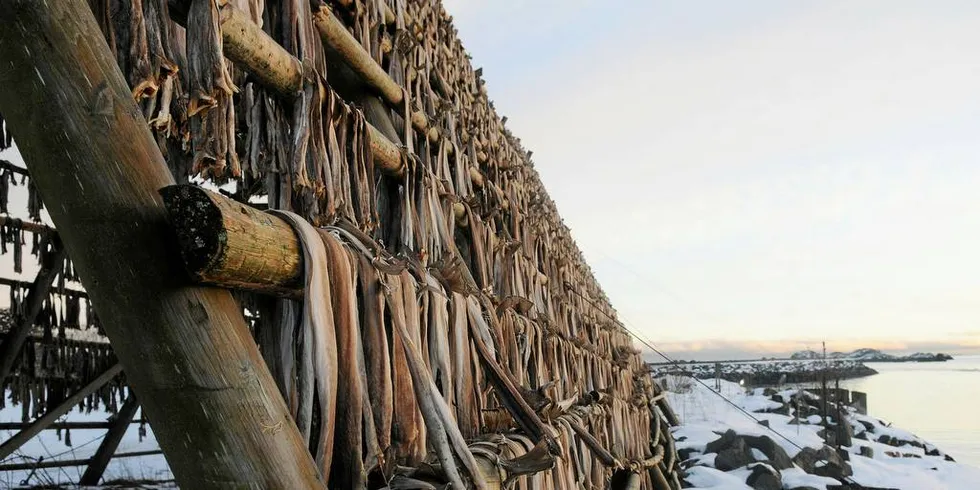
{"x":756,"y":176}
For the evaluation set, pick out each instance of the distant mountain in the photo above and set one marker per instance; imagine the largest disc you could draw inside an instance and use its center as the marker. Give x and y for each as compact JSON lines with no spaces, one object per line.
{"x":872,"y":355}
{"x":805,"y":355}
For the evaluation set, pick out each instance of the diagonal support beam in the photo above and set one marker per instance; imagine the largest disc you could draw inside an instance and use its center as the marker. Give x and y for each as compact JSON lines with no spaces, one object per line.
{"x":18,"y":439}
{"x":194,"y":365}
{"x":13,"y":342}
{"x":111,"y":442}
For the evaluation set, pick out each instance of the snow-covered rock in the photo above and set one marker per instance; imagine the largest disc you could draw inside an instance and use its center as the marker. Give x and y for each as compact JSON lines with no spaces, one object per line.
{"x":879,"y":456}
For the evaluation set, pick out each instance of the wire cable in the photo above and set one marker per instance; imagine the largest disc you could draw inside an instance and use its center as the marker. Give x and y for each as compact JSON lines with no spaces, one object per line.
{"x":649,"y":345}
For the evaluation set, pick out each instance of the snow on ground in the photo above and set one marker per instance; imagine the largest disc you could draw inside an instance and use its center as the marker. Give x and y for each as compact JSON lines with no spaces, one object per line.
{"x":84,"y":444}
{"x":903,"y":463}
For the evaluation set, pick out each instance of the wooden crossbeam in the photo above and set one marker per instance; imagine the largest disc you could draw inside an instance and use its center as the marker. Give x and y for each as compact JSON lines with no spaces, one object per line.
{"x":4,"y":281}
{"x":66,"y":425}
{"x":339,"y":41}
{"x":62,"y":463}
{"x":226,"y":243}
{"x":251,"y":49}
{"x":28,"y":226}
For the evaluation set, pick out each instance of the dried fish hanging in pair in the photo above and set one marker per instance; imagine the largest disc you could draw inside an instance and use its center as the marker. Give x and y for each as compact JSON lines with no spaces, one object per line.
{"x":165,"y":106}
{"x":211,"y":107}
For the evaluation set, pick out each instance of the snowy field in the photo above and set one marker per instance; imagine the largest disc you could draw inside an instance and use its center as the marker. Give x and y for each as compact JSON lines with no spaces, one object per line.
{"x":903,"y":463}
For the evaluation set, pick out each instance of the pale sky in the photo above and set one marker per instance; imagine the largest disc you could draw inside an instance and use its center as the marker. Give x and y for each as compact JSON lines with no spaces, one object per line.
{"x":756,"y":176}
{"x":751,"y":178}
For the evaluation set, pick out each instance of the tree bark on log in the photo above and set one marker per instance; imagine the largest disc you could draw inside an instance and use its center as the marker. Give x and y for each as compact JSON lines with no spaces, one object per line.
{"x":219,"y":416}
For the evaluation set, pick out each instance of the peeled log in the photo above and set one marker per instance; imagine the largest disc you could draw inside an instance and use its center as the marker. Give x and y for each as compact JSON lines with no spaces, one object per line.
{"x":229,"y":244}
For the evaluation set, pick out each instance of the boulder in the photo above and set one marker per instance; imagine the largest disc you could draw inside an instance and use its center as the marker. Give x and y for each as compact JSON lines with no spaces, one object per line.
{"x":824,"y":462}
{"x":734,"y":456}
{"x":831,"y":464}
{"x":776,"y":454}
{"x":723,"y":442}
{"x":686,"y":453}
{"x":867,"y":452}
{"x":764,"y":477}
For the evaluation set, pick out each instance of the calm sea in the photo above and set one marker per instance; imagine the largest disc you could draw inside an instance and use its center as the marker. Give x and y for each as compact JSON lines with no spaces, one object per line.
{"x":938,"y":401}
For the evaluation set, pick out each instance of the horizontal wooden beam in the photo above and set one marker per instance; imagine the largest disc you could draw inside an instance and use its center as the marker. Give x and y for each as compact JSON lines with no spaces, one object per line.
{"x":63,"y":463}
{"x":339,"y":40}
{"x":251,"y":49}
{"x":28,"y":226}
{"x":4,"y":281}
{"x":229,"y":244}
{"x":66,"y":425}
{"x":6,"y":165}
{"x":226,"y":243}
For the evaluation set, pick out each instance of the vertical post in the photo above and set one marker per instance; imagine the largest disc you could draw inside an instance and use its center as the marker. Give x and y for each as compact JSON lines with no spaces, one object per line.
{"x":93,"y":473}
{"x":219,"y":417}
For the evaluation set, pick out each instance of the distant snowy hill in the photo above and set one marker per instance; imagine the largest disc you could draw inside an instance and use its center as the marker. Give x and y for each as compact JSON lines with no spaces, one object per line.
{"x":871,"y":355}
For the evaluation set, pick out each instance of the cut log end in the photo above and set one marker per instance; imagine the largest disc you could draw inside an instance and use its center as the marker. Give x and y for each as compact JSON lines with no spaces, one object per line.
{"x":198,"y":227}
{"x":226,"y":243}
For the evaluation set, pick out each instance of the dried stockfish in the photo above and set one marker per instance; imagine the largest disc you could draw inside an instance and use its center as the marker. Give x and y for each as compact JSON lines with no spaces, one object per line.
{"x":407,"y":432}
{"x":318,"y":324}
{"x":348,"y":469}
{"x":424,"y":392}
{"x":377,"y":356}
{"x":210,"y":88}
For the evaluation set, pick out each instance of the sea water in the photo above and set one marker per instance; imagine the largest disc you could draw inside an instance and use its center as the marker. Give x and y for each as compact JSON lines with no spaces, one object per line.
{"x":937,"y":401}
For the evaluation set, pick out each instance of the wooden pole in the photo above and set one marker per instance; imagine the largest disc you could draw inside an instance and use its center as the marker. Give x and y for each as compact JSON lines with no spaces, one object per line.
{"x":227,"y":243}
{"x":247,"y":44}
{"x":65,"y":425}
{"x":13,"y":342}
{"x":113,"y":437}
{"x":66,"y":291}
{"x":218,"y":415}
{"x":251,"y":49}
{"x":61,"y":463}
{"x":339,"y":40}
{"x":18,"y":439}
{"x":28,"y":226}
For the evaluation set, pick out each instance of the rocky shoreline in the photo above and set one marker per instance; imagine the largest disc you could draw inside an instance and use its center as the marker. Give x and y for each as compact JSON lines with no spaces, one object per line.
{"x":785,"y":443}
